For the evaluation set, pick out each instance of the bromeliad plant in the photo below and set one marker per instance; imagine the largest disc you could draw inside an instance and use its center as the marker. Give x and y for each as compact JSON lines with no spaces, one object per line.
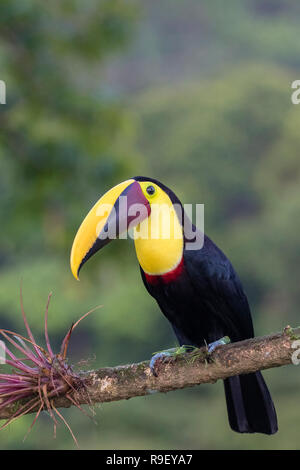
{"x":38,"y":375}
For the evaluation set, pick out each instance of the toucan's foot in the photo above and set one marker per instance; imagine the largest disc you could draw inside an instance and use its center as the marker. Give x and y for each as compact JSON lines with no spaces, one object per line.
{"x":164,"y":356}
{"x":212,"y":346}
{"x":158,"y":359}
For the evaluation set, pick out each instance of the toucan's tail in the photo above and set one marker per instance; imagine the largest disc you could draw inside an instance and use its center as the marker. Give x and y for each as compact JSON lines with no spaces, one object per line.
{"x":249,"y":404}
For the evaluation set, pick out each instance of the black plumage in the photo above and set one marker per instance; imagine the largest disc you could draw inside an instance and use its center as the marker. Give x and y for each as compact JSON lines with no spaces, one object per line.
{"x":204,"y":303}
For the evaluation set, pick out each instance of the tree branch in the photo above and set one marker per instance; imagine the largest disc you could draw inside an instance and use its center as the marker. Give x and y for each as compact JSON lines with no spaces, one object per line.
{"x":186,"y":370}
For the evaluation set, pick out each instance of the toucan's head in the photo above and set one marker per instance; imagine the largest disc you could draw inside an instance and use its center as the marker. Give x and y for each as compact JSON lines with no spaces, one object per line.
{"x":135,"y":203}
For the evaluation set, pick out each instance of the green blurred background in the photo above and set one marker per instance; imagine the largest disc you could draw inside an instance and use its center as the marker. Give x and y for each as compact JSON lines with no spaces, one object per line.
{"x":195,"y":94}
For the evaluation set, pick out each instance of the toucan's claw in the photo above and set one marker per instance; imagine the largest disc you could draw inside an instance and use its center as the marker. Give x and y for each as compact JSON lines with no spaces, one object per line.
{"x":164,"y":356}
{"x":220,"y":342}
{"x":159,"y":358}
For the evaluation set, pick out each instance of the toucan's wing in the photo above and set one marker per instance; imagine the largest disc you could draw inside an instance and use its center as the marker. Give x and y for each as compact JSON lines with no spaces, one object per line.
{"x":219,"y":287}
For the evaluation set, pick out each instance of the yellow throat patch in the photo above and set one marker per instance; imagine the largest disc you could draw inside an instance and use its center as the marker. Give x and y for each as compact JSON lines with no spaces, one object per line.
{"x":159,"y":238}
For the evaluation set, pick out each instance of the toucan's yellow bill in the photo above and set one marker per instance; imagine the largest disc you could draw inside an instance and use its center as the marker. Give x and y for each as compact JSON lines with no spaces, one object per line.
{"x":89,"y":238}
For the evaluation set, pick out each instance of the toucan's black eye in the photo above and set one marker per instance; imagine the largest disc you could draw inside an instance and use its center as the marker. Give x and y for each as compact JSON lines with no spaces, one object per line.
{"x":150,"y":190}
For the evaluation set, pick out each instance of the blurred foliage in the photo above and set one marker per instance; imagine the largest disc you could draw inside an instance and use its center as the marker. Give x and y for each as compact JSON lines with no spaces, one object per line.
{"x":225,"y":138}
{"x":195,"y":94}
{"x":57,"y":127}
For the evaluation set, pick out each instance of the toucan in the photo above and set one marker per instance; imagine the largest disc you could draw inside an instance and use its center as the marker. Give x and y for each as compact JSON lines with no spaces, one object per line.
{"x":197,"y":290}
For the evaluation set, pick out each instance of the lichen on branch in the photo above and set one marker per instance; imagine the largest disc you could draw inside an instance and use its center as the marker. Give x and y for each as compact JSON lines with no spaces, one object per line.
{"x":49,"y":383}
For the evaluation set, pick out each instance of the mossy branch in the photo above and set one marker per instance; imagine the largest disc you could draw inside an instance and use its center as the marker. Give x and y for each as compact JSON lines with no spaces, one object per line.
{"x":185,"y":370}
